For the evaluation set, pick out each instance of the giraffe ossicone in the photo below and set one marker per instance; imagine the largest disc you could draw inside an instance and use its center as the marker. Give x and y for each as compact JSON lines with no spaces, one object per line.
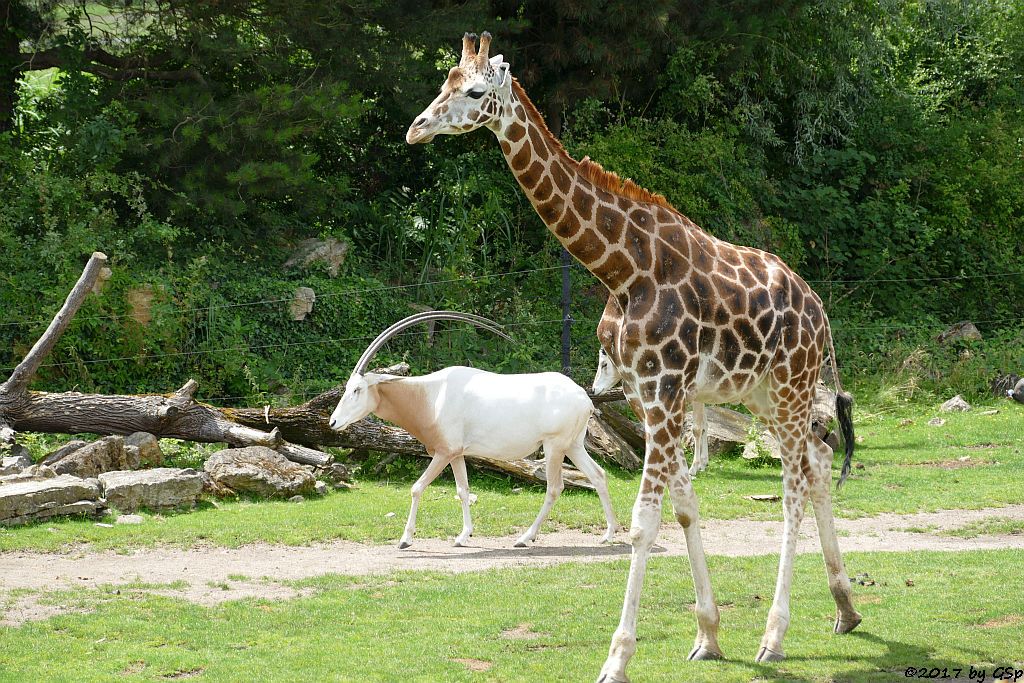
{"x":690,"y":319}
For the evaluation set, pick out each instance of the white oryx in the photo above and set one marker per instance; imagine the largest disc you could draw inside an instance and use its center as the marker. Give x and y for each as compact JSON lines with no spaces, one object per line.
{"x":606,"y":378}
{"x":461,"y":411}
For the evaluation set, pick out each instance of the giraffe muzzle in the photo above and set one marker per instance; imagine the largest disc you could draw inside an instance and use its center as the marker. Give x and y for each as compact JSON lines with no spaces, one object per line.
{"x":420,"y":132}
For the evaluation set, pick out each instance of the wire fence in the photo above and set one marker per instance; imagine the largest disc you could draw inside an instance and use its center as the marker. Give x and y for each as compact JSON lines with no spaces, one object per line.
{"x":579,"y":370}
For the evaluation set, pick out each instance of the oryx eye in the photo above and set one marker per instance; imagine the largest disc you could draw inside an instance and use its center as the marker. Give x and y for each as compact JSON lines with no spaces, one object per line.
{"x":476,"y":94}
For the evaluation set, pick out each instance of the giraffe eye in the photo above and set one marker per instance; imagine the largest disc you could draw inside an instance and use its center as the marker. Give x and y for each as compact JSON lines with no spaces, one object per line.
{"x":476,"y":94}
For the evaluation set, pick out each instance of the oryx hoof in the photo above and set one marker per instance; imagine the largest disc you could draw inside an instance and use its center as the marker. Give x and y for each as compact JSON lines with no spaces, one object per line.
{"x":768,"y":655}
{"x":846,"y":625}
{"x":701,"y":653}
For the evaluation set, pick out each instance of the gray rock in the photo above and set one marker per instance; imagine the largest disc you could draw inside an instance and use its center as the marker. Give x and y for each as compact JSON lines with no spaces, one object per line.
{"x":321,"y":488}
{"x":330,"y":251}
{"x":142,"y":449}
{"x":129,"y":519}
{"x":14,"y":464}
{"x":103,"y":455}
{"x":297,"y":499}
{"x":961,"y":331}
{"x":32,"y":473}
{"x":28,"y":501}
{"x":64,"y":451}
{"x":955,"y":405}
{"x":302,"y":303}
{"x":259,"y":470}
{"x":157,"y":489}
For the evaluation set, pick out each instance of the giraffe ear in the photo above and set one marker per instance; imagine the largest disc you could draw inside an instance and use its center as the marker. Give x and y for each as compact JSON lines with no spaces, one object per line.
{"x":500,"y":67}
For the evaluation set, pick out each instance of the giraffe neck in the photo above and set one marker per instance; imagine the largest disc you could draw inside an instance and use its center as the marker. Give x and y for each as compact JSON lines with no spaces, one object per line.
{"x":599,"y":227}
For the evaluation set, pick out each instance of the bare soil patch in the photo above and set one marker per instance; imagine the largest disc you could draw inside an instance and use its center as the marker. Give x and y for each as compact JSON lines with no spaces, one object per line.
{"x":213,"y":575}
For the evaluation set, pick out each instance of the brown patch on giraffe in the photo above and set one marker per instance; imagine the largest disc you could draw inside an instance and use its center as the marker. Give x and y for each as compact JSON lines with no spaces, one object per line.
{"x":729,"y":346}
{"x":638,"y":245}
{"x":583,"y":202}
{"x":673,"y":357}
{"x":521,"y":158}
{"x":551,"y":210}
{"x":702,"y":256}
{"x":537,"y":140}
{"x":614,"y":270}
{"x":587,"y":248}
{"x":734,"y":297}
{"x":745,"y":332}
{"x":662,"y":437}
{"x":669,"y":388}
{"x":531,"y":176}
{"x":747,"y":279}
{"x":515,"y":132}
{"x":568,"y":226}
{"x":641,"y":297}
{"x":662,"y":325}
{"x":610,"y":223}
{"x":560,"y":176}
{"x":689,"y":335}
{"x":655,"y":415}
{"x":669,"y":268}
{"x":649,"y":364}
{"x":505,"y":148}
{"x":703,"y":292}
{"x":641,"y":218}
{"x":543,"y":190}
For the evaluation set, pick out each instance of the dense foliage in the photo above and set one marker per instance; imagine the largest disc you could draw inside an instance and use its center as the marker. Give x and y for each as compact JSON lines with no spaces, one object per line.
{"x":877,"y":146}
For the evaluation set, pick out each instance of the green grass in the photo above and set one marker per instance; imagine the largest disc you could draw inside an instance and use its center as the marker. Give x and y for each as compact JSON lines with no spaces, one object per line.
{"x":906,"y":469}
{"x":989,"y":525}
{"x":963,"y":609}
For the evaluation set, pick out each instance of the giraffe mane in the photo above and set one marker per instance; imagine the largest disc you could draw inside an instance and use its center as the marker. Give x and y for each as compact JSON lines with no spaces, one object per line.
{"x":589,"y":169}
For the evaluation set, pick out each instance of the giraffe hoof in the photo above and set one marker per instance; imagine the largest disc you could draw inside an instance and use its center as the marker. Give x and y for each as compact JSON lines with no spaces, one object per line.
{"x":768,"y":655}
{"x":608,"y":678}
{"x":846,"y":625}
{"x":701,"y":653}
{"x":403,"y":545}
{"x":520,"y":544}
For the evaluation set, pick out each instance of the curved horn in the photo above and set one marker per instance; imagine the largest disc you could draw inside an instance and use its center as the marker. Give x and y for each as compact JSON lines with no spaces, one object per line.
{"x":468,"y":49}
{"x":417,"y":318}
{"x":481,"y":55}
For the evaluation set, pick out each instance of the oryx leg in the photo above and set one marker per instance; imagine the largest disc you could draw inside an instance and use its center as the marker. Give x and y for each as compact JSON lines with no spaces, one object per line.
{"x":554,"y":454}
{"x":596,"y":474}
{"x":462,"y":490}
{"x":437,"y":464}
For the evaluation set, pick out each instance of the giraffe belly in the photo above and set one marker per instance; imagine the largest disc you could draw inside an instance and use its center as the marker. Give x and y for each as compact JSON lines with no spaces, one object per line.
{"x":715,"y":383}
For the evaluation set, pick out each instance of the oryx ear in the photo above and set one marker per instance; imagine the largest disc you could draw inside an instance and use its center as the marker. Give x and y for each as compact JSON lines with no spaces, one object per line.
{"x":373,"y":378}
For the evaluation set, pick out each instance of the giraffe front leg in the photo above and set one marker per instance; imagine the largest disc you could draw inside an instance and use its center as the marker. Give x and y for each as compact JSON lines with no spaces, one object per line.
{"x":642,"y":533}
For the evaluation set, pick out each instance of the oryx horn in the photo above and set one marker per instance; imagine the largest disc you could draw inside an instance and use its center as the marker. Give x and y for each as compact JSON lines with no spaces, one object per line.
{"x":417,"y":318}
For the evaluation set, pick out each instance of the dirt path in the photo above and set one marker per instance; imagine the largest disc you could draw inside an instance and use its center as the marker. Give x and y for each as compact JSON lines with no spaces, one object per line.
{"x":212,"y":575}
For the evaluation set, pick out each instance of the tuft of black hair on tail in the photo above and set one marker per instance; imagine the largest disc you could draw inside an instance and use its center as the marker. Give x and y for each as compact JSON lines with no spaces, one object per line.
{"x":844,"y":414}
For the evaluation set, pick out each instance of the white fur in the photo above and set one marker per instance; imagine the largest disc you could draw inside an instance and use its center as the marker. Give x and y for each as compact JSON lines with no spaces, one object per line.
{"x":461,"y":411}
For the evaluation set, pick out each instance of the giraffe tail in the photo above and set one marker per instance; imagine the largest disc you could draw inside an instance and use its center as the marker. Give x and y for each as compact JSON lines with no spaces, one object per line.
{"x":844,"y":413}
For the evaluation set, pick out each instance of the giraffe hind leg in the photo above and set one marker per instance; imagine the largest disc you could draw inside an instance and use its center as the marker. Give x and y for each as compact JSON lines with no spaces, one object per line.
{"x":847,"y":617}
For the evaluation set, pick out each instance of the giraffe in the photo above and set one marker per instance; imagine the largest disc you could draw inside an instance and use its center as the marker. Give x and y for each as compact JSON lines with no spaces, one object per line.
{"x":702,"y":320}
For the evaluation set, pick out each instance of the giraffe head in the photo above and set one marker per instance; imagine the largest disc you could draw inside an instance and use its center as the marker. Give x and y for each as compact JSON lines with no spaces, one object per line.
{"x":474,"y":95}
